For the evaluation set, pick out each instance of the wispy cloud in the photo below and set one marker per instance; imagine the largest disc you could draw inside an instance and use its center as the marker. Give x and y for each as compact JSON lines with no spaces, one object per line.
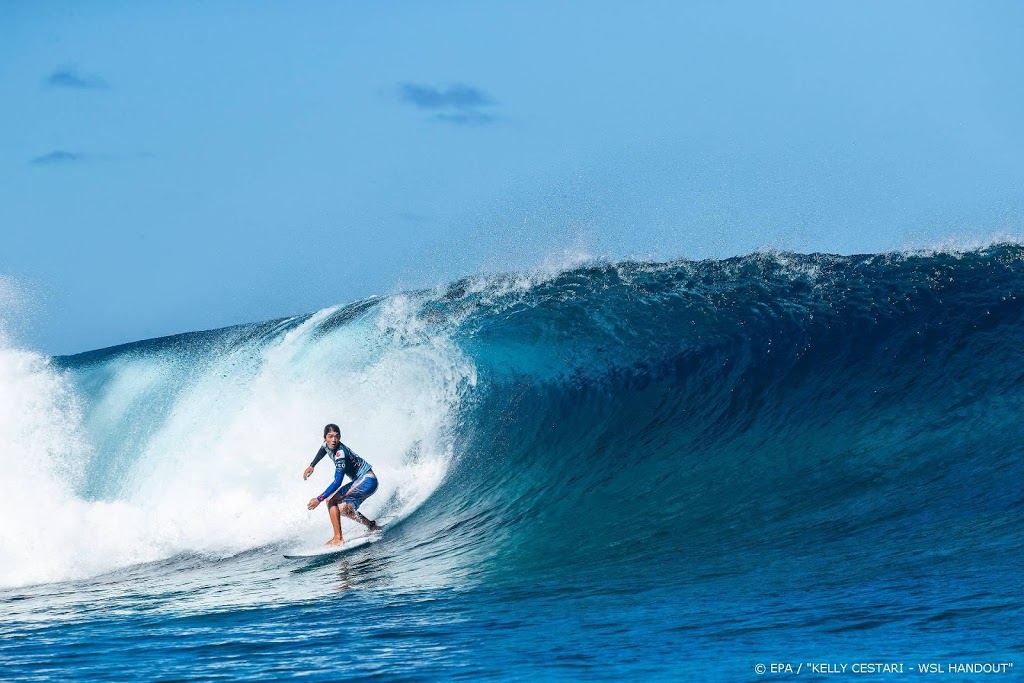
{"x":457,"y":104}
{"x":70,"y":77}
{"x":59,"y":156}
{"x":455,"y":96}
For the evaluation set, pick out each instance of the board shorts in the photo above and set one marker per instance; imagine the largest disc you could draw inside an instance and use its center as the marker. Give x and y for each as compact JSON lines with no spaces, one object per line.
{"x":355,"y":492}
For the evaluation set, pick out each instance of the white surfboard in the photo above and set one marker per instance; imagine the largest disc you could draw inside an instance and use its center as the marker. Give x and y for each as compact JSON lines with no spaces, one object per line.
{"x":328,"y":550}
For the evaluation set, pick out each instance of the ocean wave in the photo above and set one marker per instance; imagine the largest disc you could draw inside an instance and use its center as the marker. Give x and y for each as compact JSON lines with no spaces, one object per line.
{"x":700,"y":415}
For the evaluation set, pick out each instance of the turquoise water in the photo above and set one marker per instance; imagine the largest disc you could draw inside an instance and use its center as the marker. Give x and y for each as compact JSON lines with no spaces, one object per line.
{"x":634,"y":471}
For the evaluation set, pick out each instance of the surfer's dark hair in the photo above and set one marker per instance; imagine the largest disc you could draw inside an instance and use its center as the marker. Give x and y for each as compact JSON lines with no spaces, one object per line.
{"x":331,"y":428}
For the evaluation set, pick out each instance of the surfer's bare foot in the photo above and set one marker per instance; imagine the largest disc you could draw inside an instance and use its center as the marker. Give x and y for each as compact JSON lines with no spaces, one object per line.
{"x":373,"y":526}
{"x":335,"y":541}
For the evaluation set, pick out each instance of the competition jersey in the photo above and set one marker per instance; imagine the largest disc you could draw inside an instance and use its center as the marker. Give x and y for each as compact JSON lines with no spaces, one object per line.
{"x":346,"y":462}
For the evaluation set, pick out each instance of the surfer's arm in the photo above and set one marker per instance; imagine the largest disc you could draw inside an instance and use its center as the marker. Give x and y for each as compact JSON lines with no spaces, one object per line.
{"x":319,"y":454}
{"x":338,"y":476}
{"x":309,"y":470}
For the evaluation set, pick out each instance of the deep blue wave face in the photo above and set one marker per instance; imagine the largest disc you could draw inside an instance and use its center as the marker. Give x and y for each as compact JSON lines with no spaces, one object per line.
{"x":694,"y":466}
{"x":796,"y":409}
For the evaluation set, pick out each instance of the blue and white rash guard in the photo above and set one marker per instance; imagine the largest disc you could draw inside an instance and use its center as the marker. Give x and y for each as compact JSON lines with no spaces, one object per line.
{"x":346,"y":462}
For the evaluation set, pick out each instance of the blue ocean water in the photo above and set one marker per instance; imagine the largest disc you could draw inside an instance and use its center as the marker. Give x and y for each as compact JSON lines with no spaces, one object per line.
{"x":628,"y":471}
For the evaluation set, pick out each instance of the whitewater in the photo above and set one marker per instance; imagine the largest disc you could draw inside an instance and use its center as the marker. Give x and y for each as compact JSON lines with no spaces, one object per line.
{"x":616,"y":471}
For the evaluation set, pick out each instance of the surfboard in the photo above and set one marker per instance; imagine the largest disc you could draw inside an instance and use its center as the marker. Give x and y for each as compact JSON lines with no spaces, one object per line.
{"x":327,"y":551}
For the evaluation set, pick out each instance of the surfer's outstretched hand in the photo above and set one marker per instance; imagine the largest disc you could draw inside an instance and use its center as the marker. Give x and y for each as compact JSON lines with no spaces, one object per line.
{"x":305,"y":475}
{"x":313,"y":502}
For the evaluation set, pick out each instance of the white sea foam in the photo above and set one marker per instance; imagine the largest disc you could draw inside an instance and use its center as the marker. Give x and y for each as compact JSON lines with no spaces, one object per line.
{"x":150,"y":454}
{"x":958,"y":245}
{"x":41,"y":457}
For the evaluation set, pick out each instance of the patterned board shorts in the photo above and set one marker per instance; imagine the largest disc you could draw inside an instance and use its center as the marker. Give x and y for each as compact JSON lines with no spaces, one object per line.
{"x":355,"y":492}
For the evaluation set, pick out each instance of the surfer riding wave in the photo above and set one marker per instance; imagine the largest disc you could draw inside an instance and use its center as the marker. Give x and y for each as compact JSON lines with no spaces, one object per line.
{"x":343,"y":500}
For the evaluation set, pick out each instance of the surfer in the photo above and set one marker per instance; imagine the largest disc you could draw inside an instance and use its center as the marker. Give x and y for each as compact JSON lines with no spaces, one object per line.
{"x":346,"y":499}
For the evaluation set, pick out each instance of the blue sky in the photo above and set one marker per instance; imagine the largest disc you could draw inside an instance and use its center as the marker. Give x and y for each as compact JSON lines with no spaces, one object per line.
{"x":178,"y":166}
